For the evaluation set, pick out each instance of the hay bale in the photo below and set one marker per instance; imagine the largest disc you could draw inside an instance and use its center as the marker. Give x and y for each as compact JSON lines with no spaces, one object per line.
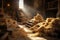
{"x":52,"y":29}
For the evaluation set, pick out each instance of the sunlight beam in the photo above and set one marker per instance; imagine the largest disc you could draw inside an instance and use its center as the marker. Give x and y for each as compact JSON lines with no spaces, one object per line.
{"x":21,"y":4}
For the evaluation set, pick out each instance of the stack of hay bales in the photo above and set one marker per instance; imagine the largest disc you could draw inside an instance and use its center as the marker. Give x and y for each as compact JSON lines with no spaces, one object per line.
{"x":15,"y":32}
{"x":36,"y":27}
{"x":51,"y":27}
{"x":37,"y":19}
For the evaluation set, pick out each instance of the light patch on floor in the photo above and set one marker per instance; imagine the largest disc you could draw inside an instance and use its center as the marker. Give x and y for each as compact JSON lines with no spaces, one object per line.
{"x":31,"y":35}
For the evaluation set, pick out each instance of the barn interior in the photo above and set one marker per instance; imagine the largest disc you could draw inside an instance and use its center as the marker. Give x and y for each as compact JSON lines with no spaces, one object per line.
{"x":29,"y":19}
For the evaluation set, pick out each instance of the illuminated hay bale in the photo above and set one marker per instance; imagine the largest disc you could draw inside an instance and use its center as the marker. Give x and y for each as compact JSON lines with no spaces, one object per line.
{"x":49,"y":19}
{"x":42,"y":25}
{"x":52,"y":28}
{"x":37,"y":19}
{"x":34,"y":28}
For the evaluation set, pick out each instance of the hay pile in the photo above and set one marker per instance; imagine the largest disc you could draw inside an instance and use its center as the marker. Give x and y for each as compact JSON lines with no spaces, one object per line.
{"x":51,"y":27}
{"x":36,"y":19}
